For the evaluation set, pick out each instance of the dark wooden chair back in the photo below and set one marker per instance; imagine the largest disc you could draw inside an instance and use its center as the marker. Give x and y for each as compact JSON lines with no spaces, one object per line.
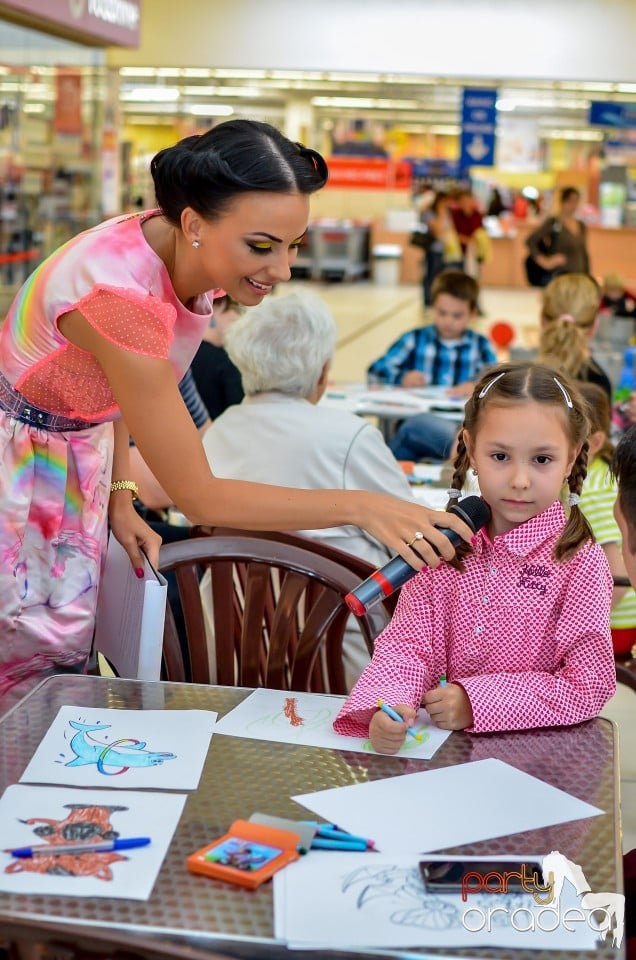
{"x":361,"y":568}
{"x":278,"y":612}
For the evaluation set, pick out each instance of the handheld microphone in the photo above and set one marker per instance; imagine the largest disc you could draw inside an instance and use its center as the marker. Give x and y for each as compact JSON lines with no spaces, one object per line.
{"x":383,"y":582}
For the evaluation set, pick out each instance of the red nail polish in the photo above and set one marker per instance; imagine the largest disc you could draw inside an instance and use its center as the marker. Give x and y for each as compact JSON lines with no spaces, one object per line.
{"x":139,"y":572}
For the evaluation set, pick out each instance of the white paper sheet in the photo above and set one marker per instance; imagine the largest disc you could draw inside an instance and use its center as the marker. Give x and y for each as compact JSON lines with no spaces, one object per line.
{"x":444,"y":808}
{"x":372,"y":900}
{"x":307,"y":718}
{"x":61,"y":815}
{"x":130,"y":616}
{"x":128,"y":749}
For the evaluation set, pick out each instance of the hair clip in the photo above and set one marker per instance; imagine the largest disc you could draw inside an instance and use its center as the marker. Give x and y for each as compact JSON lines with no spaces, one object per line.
{"x":568,"y":399}
{"x":573,"y":500}
{"x":566,"y":318}
{"x":453,"y":493}
{"x":485,"y":389}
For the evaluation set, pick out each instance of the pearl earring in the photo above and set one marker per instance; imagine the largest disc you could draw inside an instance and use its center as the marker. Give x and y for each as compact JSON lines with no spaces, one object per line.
{"x":196,"y":244}
{"x":475,"y":474}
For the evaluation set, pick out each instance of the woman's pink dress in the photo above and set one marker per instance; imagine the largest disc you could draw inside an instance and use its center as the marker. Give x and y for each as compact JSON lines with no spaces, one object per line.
{"x":54,"y":486}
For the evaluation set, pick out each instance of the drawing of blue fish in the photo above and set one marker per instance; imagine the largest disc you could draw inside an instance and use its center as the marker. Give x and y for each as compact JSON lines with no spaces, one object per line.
{"x":120,"y":754}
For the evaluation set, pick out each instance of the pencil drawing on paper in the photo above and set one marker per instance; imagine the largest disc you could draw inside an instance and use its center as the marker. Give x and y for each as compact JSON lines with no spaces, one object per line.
{"x":83,"y":824}
{"x":398,"y":893}
{"x":111,"y":758}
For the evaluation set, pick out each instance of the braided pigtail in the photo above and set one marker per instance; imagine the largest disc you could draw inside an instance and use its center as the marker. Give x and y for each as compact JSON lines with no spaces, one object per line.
{"x":577,"y":530}
{"x":461,"y":465}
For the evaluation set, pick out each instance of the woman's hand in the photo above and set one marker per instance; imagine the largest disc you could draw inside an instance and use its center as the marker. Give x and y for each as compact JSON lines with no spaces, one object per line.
{"x":387,"y":735}
{"x":449,"y":707}
{"x":132,"y":532}
{"x":395,"y":523}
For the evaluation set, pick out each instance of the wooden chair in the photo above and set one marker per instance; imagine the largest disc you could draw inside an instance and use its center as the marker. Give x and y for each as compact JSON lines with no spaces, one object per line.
{"x":361,"y":568}
{"x":278,"y":611}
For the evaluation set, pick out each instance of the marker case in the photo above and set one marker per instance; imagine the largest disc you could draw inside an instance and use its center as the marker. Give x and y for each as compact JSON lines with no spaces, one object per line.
{"x":248,"y":854}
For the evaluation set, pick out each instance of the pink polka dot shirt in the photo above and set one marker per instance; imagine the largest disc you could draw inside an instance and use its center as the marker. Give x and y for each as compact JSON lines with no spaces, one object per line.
{"x":527,"y":638}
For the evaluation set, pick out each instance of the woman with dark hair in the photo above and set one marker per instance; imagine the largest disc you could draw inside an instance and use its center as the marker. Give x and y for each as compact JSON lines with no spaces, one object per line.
{"x":559,"y":244}
{"x":93,"y":348}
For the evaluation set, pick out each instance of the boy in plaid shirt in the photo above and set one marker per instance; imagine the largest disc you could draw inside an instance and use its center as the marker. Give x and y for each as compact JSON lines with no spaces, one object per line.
{"x":445,"y":353}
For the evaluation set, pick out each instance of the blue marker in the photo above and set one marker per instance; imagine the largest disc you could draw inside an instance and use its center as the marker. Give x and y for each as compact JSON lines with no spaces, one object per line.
{"x":320,"y":843}
{"x":390,"y":712}
{"x":329,"y":831}
{"x":101,"y":847}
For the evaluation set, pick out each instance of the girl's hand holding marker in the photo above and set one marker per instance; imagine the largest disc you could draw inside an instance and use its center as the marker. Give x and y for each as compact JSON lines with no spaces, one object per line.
{"x":386,"y":735}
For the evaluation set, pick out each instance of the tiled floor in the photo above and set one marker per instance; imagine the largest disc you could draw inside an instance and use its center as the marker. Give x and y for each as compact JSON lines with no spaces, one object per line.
{"x":369,"y":318}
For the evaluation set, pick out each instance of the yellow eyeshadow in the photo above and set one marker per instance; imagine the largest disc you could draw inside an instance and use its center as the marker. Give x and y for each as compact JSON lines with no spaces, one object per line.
{"x":262,"y":244}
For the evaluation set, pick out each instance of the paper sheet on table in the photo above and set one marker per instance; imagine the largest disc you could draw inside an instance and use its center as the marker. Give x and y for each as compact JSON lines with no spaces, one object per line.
{"x":307,"y":718}
{"x":444,"y":808}
{"x":128,"y":749}
{"x":375,"y":901}
{"x":428,"y":471}
{"x":68,"y":815}
{"x":130,"y":616}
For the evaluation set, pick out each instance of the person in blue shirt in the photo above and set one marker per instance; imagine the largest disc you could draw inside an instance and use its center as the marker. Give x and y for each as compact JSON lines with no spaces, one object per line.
{"x":445,"y":353}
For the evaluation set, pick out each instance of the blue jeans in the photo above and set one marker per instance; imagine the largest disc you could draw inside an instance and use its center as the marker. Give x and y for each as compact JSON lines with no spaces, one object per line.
{"x":424,"y":437}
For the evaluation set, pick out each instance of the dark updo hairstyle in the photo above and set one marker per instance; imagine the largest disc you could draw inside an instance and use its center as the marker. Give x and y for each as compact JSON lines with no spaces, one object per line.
{"x":207,"y":172}
{"x":515,"y":383}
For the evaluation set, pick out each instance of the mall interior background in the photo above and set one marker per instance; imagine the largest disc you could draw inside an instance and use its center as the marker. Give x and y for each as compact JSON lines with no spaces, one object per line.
{"x":370,"y":84}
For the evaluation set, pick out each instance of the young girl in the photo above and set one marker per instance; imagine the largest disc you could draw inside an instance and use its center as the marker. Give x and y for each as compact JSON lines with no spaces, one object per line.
{"x":522,"y":633}
{"x":597,"y":503}
{"x":568,"y":325}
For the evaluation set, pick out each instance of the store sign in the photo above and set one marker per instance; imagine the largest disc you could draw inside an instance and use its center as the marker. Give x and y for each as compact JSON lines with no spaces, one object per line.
{"x":479,"y":117}
{"x":607,"y":113}
{"x":114,"y":22}
{"x":67,"y":115}
{"x":369,"y":174}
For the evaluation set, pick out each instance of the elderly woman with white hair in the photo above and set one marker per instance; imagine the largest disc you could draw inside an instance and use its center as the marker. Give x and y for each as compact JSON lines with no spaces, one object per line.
{"x":281,"y":435}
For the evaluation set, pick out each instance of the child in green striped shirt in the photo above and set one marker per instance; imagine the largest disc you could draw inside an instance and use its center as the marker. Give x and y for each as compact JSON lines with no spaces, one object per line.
{"x":598,"y":497}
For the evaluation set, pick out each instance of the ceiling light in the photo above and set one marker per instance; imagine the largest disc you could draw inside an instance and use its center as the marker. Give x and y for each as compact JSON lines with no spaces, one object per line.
{"x":354,"y":77}
{"x":193,"y":72}
{"x":296,"y":75}
{"x":595,"y":135}
{"x":240,"y":74}
{"x":211,"y":110}
{"x":151,"y":94}
{"x":137,"y":72}
{"x":365,"y":103}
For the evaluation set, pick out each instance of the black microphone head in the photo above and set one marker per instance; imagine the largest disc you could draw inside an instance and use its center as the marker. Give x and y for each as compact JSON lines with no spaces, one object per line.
{"x":472,"y":510}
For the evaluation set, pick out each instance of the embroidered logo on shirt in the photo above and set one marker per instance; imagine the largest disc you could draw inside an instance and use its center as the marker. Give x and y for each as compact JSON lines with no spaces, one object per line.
{"x":533,"y":576}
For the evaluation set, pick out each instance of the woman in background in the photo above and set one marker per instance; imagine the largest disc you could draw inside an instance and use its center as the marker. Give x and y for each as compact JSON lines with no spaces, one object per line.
{"x":559,"y":244}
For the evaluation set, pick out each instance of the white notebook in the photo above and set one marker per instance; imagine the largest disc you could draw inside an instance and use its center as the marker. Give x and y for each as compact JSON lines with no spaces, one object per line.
{"x":130,"y":616}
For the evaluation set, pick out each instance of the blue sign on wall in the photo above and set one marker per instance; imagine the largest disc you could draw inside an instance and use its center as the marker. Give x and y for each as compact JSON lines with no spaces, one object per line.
{"x":606,"y":113}
{"x":479,"y":118}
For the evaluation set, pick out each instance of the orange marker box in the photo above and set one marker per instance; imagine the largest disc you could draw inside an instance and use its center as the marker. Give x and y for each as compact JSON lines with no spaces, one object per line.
{"x":248,"y":854}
